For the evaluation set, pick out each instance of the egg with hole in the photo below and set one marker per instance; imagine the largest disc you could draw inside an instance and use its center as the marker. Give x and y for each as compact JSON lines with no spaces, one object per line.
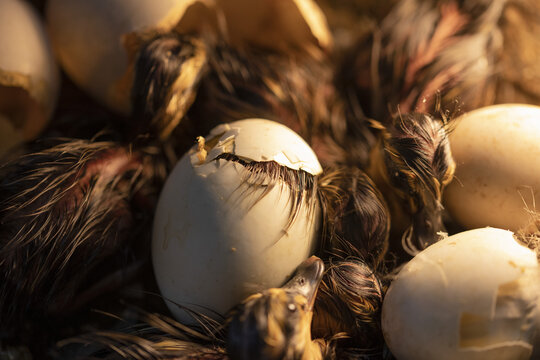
{"x":238,"y":213}
{"x":497,"y":179}
{"x":473,"y":295}
{"x":28,"y":74}
{"x":97,"y":41}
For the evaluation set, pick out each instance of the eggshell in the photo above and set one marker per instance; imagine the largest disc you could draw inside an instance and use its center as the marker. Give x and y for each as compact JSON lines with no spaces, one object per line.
{"x":473,"y":295}
{"x":283,"y":25}
{"x":215,"y":239}
{"x":28,"y":73}
{"x":497,"y":179}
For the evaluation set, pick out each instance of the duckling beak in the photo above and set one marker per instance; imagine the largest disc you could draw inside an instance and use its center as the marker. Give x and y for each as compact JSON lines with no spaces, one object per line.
{"x":306,"y":279}
{"x":427,"y":223}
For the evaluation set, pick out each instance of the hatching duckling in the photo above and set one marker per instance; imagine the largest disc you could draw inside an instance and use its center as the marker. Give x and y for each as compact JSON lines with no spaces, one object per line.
{"x":411,"y":165}
{"x":68,"y":211}
{"x":276,"y":323}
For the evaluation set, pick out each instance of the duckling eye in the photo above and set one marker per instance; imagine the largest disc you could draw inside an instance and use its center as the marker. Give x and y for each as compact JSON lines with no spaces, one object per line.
{"x":301,"y":281}
{"x":291,"y":307}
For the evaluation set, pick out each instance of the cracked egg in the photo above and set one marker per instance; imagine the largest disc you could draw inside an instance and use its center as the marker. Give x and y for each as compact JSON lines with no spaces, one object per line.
{"x":28,"y":74}
{"x":238,"y":214}
{"x":473,"y":295}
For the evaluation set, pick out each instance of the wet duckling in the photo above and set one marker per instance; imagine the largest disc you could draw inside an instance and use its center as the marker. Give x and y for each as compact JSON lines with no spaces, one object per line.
{"x":356,"y":219}
{"x":275,"y":324}
{"x":349,"y":303}
{"x":465,"y":54}
{"x":411,"y":166}
{"x":68,"y":211}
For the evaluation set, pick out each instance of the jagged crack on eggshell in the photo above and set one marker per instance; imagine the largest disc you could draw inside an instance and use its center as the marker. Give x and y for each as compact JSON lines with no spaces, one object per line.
{"x":264,"y":140}
{"x":497,"y":179}
{"x":279,"y":25}
{"x":92,"y":39}
{"x":28,"y":72}
{"x":473,"y":295}
{"x":216,"y":240}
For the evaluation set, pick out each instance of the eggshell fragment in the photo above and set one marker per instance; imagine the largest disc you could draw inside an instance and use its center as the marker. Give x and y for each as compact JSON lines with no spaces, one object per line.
{"x":216,"y":237}
{"x":497,"y":179}
{"x":28,"y":74}
{"x":473,"y":295}
{"x":284,"y":25}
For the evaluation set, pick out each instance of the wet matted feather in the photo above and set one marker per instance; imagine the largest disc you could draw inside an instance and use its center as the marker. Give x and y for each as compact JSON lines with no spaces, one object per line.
{"x":466,"y":54}
{"x":412,"y":165}
{"x":66,"y":213}
{"x":349,"y":303}
{"x":356,"y":220}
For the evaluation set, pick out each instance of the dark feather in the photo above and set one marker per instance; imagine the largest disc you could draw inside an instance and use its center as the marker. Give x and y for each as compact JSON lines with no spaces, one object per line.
{"x":65,"y":211}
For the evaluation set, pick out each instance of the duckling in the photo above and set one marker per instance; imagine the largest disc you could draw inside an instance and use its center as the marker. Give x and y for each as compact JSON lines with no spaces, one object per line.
{"x":463,"y":54}
{"x":349,"y":303}
{"x":69,"y":210}
{"x":356,"y":219}
{"x":411,"y":165}
{"x":275,"y":324}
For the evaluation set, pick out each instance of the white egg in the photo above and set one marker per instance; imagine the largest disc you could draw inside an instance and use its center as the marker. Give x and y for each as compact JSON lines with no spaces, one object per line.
{"x":497,"y":179}
{"x":97,"y":41}
{"x":217,"y":237}
{"x":28,"y":74}
{"x":473,"y":295}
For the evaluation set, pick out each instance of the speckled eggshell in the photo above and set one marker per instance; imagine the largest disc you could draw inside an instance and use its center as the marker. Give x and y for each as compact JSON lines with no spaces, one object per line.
{"x":216,"y":241}
{"x":497,"y":179}
{"x":471,"y":296}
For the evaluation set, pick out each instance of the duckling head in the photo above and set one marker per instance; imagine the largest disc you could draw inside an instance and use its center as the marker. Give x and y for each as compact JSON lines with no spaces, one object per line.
{"x":415,"y":163}
{"x":276,"y":323}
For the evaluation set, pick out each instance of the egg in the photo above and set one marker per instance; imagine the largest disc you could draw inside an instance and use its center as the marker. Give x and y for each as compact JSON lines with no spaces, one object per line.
{"x":237,"y":215}
{"x":497,"y":179}
{"x":28,"y":74}
{"x":473,"y":295}
{"x":97,"y":41}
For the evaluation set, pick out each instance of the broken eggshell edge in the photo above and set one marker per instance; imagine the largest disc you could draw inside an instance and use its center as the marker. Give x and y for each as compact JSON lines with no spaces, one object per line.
{"x":473,"y":295}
